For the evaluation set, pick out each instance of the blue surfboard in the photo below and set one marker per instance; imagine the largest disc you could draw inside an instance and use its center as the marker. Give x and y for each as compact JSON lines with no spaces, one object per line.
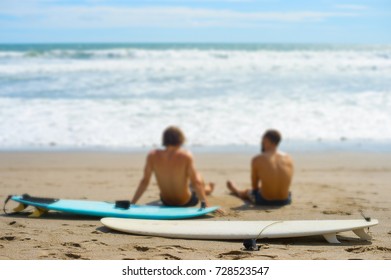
{"x":109,"y":209}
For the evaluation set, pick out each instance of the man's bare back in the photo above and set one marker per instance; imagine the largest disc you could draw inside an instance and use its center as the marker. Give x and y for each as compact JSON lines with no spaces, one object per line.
{"x":271,"y":174}
{"x":171,"y":169}
{"x":174,"y":169}
{"x":274,"y":171}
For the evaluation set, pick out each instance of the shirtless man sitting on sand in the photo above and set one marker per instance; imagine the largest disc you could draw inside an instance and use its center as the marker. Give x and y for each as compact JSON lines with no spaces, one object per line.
{"x":271,"y":175}
{"x":173,"y":168}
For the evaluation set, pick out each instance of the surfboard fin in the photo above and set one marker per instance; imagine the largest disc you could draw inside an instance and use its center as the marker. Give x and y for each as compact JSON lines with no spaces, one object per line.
{"x":38,"y":212}
{"x":362,"y":234}
{"x":20,"y":208}
{"x":331,"y":238}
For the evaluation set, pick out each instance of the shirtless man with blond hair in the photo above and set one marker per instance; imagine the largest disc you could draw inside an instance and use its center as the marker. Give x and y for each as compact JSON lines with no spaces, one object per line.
{"x":173,"y":168}
{"x":271,"y":175}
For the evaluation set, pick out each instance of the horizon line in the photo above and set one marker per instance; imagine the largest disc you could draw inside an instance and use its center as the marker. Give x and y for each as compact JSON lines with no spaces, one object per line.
{"x":199,"y":43}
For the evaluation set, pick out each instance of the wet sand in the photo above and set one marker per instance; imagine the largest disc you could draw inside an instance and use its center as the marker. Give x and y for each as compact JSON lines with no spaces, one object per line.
{"x":325,"y":186}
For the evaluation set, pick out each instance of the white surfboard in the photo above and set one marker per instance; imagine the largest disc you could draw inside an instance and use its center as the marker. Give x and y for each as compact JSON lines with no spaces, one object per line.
{"x":222,"y":230}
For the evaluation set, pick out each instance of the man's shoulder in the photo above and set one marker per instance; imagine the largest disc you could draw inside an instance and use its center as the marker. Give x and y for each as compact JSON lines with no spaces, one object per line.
{"x":185,"y":153}
{"x":285,"y":159}
{"x":257,"y":158}
{"x":182,"y":153}
{"x":153,"y":152}
{"x":284,"y":155}
{"x":156,"y":153}
{"x":266,"y":157}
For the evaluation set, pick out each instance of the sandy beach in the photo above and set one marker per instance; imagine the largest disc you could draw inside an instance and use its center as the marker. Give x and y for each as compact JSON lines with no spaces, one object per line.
{"x":326,"y":186}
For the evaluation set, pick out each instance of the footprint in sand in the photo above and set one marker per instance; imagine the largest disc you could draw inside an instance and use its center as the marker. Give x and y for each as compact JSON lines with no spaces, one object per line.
{"x":73,"y":256}
{"x":95,"y":241}
{"x":85,"y":226}
{"x":25,"y":239}
{"x":315,"y":251}
{"x":170,"y":257}
{"x":96,"y":232}
{"x":235,"y":255}
{"x":92,"y":240}
{"x":141,"y":248}
{"x":176,"y":248}
{"x":8,"y":238}
{"x":268,"y":256}
{"x":331,"y":212}
{"x":362,"y":249}
{"x":71,"y":244}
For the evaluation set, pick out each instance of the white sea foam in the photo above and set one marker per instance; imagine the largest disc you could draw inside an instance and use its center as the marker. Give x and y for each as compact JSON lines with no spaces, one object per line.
{"x":126,"y":97}
{"x":101,"y":60}
{"x":213,"y":121}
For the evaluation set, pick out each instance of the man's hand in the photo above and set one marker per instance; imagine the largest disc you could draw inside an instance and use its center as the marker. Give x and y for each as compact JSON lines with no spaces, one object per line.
{"x":220,"y":212}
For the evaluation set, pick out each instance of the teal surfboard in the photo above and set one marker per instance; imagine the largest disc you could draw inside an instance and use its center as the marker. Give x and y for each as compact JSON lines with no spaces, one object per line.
{"x":108,"y":209}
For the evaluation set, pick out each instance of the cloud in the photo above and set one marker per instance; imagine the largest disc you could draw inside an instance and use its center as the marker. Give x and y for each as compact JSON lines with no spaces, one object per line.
{"x":37,"y":15}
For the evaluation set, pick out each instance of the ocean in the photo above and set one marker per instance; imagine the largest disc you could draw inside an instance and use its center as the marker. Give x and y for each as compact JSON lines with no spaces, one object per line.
{"x":224,"y":96}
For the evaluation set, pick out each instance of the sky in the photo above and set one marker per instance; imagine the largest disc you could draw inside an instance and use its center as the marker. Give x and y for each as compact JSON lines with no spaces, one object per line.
{"x":236,"y":21}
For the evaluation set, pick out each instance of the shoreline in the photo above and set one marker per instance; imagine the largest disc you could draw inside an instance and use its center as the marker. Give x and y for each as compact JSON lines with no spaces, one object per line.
{"x":340,"y":146}
{"x":325,"y":186}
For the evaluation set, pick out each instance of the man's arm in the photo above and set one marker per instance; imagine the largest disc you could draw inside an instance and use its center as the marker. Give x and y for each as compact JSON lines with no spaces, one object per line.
{"x":196,"y":181}
{"x":254,"y":175}
{"x":144,"y":181}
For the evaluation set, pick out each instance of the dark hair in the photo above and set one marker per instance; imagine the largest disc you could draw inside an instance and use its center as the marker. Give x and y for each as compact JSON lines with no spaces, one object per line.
{"x":273,"y":136}
{"x":173,"y":136}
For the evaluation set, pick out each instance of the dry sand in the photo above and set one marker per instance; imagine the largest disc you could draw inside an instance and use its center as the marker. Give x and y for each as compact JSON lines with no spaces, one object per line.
{"x":326,"y":186}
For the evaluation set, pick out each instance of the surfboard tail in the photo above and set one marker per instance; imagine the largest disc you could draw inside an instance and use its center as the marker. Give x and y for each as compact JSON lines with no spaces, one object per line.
{"x":17,"y":209}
